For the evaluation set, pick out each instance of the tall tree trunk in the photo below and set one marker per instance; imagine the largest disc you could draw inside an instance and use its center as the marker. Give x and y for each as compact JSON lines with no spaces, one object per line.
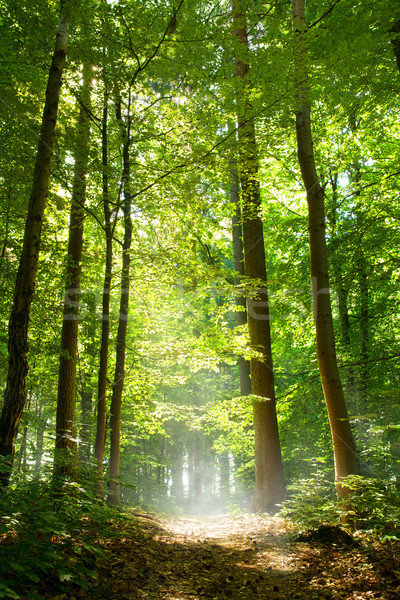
{"x":342,"y":437}
{"x":224,"y":472}
{"x":66,"y":446}
{"x":269,"y":484}
{"x":21,"y":453}
{"x":15,"y":393}
{"x":161,"y":465}
{"x":197,"y":447}
{"x":118,"y":384}
{"x":39,"y":444}
{"x":342,"y":295}
{"x":176,"y":462}
{"x":238,"y":265}
{"x":105,"y":324}
{"x":6,"y":224}
{"x":364,"y":326}
{"x":364,"y":355}
{"x":86,"y":395}
{"x":395,"y":31}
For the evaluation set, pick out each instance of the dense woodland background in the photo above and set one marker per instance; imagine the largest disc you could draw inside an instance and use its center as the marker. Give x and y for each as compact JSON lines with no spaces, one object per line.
{"x":156,"y":81}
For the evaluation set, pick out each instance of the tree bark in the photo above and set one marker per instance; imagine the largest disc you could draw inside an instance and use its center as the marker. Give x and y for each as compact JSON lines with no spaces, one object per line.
{"x":269,"y":483}
{"x":39,"y":444}
{"x":6,"y":225}
{"x":197,"y":483}
{"x":66,"y":445}
{"x":342,"y":295}
{"x":342,"y":437}
{"x":176,"y":460}
{"x":21,"y":454}
{"x":396,"y":42}
{"x":364,"y":326}
{"x":15,"y":393}
{"x":85,"y":429}
{"x":238,"y":265}
{"x":116,"y":399}
{"x":224,"y":473}
{"x":105,"y":324}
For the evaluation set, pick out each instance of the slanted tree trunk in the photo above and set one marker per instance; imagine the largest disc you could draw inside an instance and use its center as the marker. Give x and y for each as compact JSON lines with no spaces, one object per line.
{"x":269,"y":484}
{"x":238,"y":265}
{"x":105,"y":324}
{"x":66,"y":446}
{"x":15,"y":393}
{"x":342,"y":437}
{"x":118,"y":384}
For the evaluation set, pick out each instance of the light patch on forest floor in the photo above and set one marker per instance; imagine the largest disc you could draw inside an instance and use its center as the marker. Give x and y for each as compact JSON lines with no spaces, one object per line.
{"x":243,"y":557}
{"x":224,"y":528}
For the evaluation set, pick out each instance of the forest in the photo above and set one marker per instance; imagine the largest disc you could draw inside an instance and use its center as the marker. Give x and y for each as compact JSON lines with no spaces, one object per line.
{"x":199,"y":275}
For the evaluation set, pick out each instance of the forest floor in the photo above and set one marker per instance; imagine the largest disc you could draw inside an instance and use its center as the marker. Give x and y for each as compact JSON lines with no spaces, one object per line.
{"x":244,"y":557}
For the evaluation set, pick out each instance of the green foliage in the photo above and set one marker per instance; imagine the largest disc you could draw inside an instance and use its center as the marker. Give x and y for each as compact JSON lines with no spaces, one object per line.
{"x":49,"y":541}
{"x":373,"y":505}
{"x":311,"y":502}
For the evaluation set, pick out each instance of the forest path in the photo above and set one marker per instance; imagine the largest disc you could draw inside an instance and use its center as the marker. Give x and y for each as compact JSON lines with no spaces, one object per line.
{"x":244,"y":557}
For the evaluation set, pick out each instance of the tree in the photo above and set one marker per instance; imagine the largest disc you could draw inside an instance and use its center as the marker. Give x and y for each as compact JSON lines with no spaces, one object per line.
{"x":395,"y":31}
{"x":66,"y":430}
{"x":342,"y":437}
{"x":238,"y":263}
{"x":109,"y":228}
{"x":118,"y":383}
{"x":15,"y":393}
{"x":270,"y":486}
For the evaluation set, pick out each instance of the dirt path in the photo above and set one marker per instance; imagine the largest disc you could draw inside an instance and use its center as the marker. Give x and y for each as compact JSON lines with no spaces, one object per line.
{"x":244,"y":558}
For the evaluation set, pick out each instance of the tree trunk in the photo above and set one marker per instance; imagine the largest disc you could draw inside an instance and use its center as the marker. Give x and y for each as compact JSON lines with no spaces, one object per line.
{"x":342,"y":295}
{"x":342,"y":437}
{"x":238,"y":265}
{"x":197,"y":469}
{"x":21,"y":454}
{"x":66,"y":446}
{"x":176,"y":461}
{"x":116,"y":400}
{"x":105,"y":324}
{"x":6,"y":225}
{"x":224,"y":472}
{"x":85,"y":429}
{"x":396,"y":42}
{"x":269,"y":484}
{"x":15,"y":393}
{"x":39,"y":445}
{"x":364,"y":327}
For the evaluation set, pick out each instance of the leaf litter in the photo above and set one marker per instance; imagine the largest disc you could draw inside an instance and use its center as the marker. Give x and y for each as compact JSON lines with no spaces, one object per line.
{"x":241,"y":557}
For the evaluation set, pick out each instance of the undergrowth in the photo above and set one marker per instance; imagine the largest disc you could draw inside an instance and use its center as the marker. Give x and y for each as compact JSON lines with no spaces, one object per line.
{"x":50,"y":542}
{"x":53,"y":541}
{"x":372,"y":506}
